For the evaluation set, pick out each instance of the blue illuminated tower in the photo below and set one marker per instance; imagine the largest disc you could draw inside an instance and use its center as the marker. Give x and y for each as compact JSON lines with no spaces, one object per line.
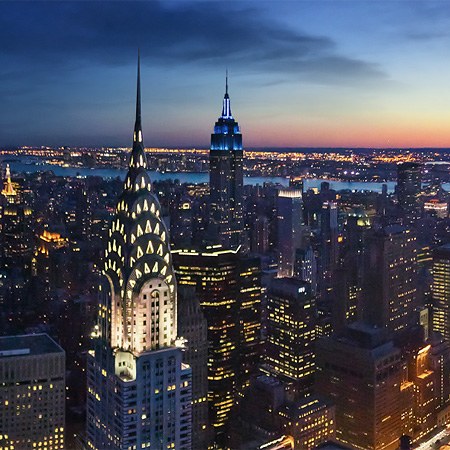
{"x":139,"y":390}
{"x":226,"y":179}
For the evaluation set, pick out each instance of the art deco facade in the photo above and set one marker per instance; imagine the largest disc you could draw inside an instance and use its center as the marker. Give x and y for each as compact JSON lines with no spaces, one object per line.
{"x":226,"y":180}
{"x":139,"y":391}
{"x":32,"y":392}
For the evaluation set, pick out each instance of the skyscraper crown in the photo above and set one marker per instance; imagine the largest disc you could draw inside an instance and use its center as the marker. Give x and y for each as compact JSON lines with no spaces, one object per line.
{"x":138,"y":262}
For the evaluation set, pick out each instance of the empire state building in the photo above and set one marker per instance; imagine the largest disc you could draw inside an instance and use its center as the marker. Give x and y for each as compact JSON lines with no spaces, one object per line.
{"x":226,"y":179}
{"x":139,"y":391}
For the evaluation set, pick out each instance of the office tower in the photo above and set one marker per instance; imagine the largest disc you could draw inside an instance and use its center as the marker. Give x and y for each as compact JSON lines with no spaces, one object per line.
{"x":228,"y":287}
{"x":329,"y":240}
{"x":259,"y":235}
{"x":310,"y":422}
{"x":193,"y":327}
{"x":421,"y":379}
{"x":360,"y":372}
{"x":181,"y":224}
{"x":32,"y":392}
{"x":305,"y":267}
{"x":16,"y":227}
{"x":390,"y":269}
{"x":440,"y":289}
{"x":289,"y":348}
{"x":139,"y":390}
{"x":226,"y":179}
{"x":289,"y":229}
{"x":409,"y":187}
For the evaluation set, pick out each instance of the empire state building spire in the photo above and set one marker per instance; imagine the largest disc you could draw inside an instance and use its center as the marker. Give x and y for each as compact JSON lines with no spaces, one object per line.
{"x":226,"y":108}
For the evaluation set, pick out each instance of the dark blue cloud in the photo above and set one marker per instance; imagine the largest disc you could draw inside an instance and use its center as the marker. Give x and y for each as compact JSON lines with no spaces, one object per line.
{"x":44,"y":44}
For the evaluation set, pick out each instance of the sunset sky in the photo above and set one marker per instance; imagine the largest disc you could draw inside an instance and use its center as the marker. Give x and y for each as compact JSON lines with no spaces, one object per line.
{"x":302,"y":73}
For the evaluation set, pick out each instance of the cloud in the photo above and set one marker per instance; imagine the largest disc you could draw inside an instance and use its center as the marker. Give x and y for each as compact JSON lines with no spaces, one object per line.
{"x":67,"y":35}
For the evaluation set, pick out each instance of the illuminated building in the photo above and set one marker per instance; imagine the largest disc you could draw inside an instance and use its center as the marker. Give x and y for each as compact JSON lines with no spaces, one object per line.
{"x":289,"y":229}
{"x":32,"y":392}
{"x":360,"y":373}
{"x":228,"y":287}
{"x":139,"y":390}
{"x":193,"y":327}
{"x":16,"y":227}
{"x":390,"y":275}
{"x":436,"y":207}
{"x":291,"y":332}
{"x":226,"y":179}
{"x":409,"y":187}
{"x":310,"y":422}
{"x":9,"y":191}
{"x":281,"y":443}
{"x":424,"y":389}
{"x":440,"y":289}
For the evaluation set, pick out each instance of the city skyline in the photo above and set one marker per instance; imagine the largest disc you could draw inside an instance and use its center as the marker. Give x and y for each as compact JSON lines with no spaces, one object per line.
{"x":362,"y":74}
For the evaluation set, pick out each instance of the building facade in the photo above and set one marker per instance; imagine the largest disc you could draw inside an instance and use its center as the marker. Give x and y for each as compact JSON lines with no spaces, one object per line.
{"x":440,"y":289}
{"x":291,"y":332}
{"x":289,"y":229}
{"x":32,"y":392}
{"x":228,"y":287}
{"x":360,"y":373}
{"x":390,"y":277}
{"x":139,"y":389}
{"x":409,"y":187}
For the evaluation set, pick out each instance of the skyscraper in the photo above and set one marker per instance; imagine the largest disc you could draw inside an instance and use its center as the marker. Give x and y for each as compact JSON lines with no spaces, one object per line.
{"x":139,"y":391}
{"x":291,"y":333}
{"x":441,"y":291}
{"x":226,"y":179}
{"x":289,"y":229}
{"x":409,"y":186}
{"x":193,"y":327}
{"x":361,"y":373}
{"x":228,"y":287}
{"x":32,"y":392}
{"x":390,"y":271}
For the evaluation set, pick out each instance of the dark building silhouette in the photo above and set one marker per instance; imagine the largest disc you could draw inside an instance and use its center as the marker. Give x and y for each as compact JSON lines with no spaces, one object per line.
{"x":409,"y":186}
{"x":193,"y":327}
{"x":389,"y":298}
{"x":361,"y":373}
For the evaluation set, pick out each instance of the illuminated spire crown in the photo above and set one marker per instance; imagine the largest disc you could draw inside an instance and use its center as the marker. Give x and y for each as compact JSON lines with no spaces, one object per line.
{"x":8,"y":188}
{"x":226,"y":107}
{"x":138,"y":263}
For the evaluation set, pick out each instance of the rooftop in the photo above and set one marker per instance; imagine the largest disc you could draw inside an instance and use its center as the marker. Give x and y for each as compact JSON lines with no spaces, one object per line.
{"x":28,"y":344}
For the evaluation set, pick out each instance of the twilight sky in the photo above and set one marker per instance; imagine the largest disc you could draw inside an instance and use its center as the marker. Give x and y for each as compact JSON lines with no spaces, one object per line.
{"x":302,"y":73}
